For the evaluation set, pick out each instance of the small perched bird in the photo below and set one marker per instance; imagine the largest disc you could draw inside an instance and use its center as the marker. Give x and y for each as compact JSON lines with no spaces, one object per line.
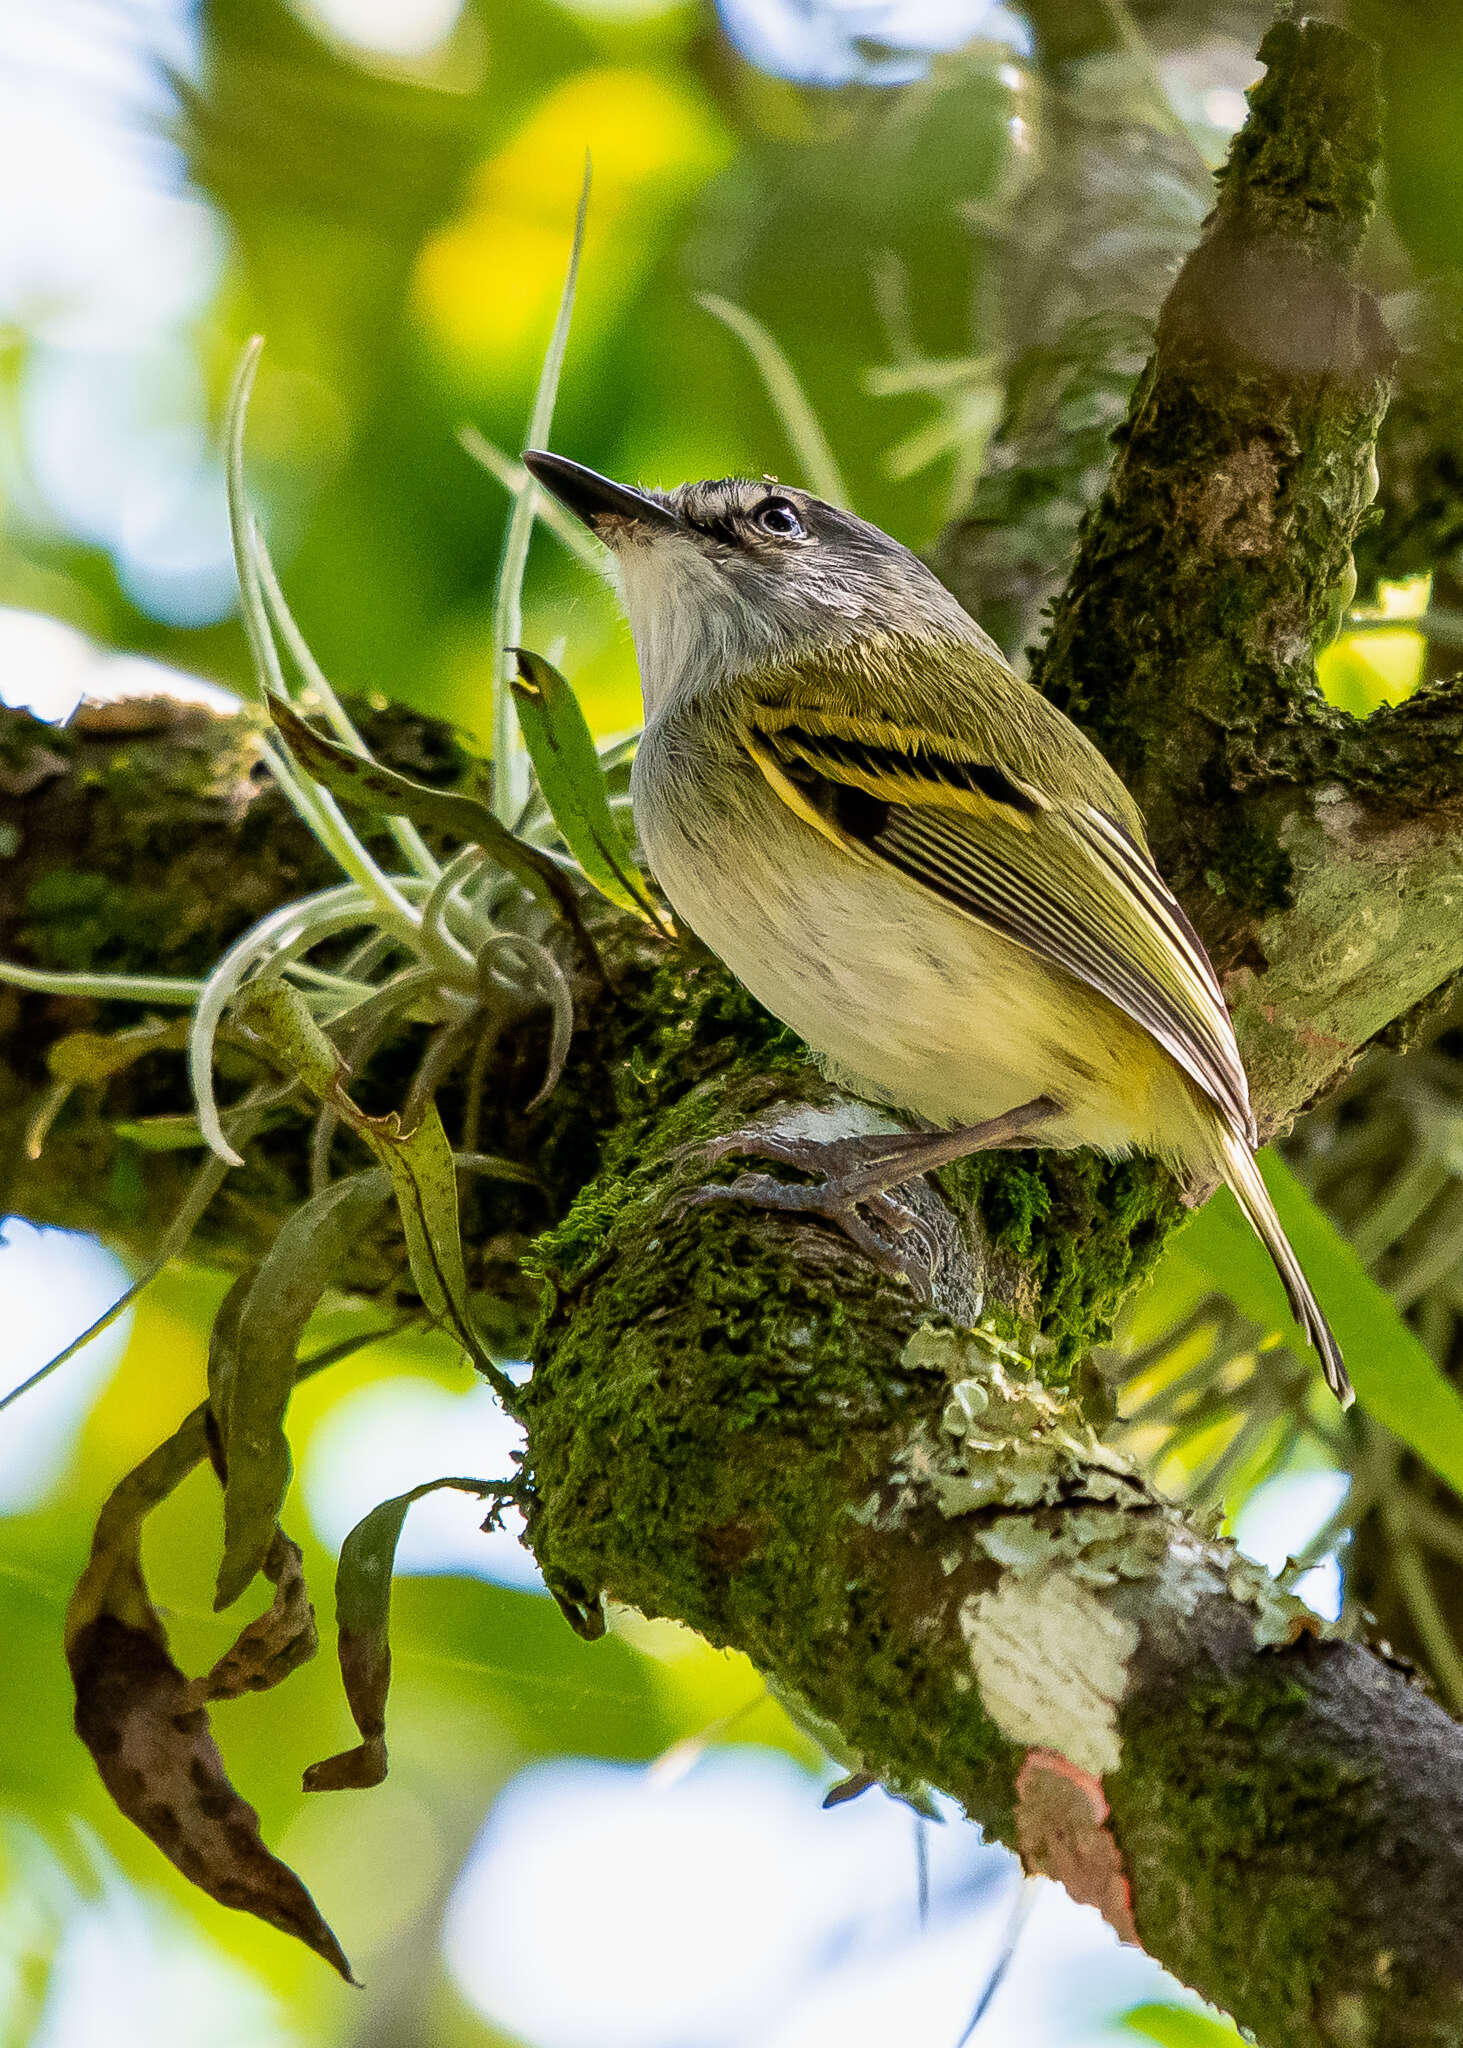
{"x":912,"y":858}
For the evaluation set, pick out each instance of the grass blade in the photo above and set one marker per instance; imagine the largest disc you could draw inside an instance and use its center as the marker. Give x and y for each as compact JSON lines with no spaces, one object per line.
{"x":510,"y":767}
{"x":815,"y":458}
{"x":515,"y":480}
{"x":315,"y":806}
{"x":409,"y":841}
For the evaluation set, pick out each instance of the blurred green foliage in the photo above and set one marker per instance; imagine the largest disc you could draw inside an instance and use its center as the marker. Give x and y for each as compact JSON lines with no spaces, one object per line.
{"x":397,"y":230}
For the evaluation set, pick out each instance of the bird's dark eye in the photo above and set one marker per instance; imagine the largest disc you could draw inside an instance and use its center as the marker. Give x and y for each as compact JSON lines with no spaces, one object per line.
{"x":777,"y":517}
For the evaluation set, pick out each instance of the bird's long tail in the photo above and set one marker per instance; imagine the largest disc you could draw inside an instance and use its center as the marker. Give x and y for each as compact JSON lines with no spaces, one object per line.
{"x":1250,"y":1191}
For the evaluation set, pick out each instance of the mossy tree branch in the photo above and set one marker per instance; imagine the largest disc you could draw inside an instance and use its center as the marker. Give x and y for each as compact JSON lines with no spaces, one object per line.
{"x":733,"y":1419}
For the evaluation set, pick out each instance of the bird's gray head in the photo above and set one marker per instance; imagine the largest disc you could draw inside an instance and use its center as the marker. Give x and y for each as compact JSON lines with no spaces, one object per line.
{"x":727,"y":576}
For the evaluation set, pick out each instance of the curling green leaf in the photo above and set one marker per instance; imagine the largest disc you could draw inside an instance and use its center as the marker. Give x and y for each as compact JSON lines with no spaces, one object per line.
{"x":419,"y":1161}
{"x":363,"y":1620}
{"x":253,"y":1367}
{"x":1397,"y":1380}
{"x":424,"y":1180}
{"x":357,"y":779}
{"x":567,"y":764}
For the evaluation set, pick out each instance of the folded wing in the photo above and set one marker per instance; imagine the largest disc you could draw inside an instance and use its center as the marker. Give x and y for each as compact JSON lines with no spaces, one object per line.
{"x":1063,"y":879}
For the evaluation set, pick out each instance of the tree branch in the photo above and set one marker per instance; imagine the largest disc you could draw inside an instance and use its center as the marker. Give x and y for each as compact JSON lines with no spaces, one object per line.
{"x":732,"y":1418}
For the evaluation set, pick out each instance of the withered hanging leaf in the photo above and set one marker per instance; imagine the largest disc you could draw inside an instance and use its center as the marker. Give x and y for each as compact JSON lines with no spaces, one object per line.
{"x":363,"y":1619}
{"x":253,"y":1365}
{"x":278,"y":1642}
{"x":370,"y":786}
{"x":419,"y":1160}
{"x":112,"y":1582}
{"x":567,"y":764}
{"x":150,"y":1740}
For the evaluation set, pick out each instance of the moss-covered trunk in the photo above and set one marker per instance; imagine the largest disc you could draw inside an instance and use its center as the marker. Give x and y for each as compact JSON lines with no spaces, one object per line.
{"x":901,"y":1512}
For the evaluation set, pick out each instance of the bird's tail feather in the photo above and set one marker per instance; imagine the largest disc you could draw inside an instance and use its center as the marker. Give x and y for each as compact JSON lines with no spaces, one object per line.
{"x":1250,"y":1191}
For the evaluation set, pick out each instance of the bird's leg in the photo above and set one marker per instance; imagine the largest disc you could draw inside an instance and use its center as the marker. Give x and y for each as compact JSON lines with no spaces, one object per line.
{"x":859,"y":1175}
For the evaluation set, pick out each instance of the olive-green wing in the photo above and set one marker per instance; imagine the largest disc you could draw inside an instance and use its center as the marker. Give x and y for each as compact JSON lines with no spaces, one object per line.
{"x":1063,"y":879}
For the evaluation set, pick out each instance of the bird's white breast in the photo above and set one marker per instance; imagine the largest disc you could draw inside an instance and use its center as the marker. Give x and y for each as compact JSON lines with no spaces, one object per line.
{"x":904,"y":999}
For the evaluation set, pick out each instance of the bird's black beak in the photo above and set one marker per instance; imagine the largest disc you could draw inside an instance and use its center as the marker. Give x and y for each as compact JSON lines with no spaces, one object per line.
{"x":597,"y":500}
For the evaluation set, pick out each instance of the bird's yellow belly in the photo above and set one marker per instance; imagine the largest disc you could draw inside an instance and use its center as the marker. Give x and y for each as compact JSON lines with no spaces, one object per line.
{"x":915,"y":1004}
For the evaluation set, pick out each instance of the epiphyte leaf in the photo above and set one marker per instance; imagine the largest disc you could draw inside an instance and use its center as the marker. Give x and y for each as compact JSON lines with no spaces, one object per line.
{"x":363,"y":1622}
{"x":567,"y":765}
{"x":357,"y":779}
{"x":281,"y":1639}
{"x":253,"y":1363}
{"x":141,"y":1720}
{"x":92,"y":1058}
{"x":419,"y":1161}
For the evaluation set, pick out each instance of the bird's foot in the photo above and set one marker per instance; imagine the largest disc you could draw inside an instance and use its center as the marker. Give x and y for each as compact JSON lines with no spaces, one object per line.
{"x":858,"y":1177}
{"x":890,"y":1235}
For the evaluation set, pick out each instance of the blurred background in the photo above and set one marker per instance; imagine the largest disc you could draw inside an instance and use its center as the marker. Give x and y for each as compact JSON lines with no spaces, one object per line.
{"x":956,"y":220}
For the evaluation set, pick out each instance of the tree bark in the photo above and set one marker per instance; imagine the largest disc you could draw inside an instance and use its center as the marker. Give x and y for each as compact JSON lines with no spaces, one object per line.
{"x":901,"y":1512}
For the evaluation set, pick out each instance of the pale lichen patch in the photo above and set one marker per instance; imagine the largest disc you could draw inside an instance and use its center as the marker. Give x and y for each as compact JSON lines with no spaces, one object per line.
{"x":1039,"y":1495}
{"x":1051,"y":1660}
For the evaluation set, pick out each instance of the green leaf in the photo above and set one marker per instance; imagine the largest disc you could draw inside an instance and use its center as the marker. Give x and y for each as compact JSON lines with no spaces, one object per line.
{"x":567,"y":764}
{"x":1175,"y":2026}
{"x":419,"y":1161}
{"x":89,"y":1059}
{"x":357,"y":779}
{"x":1397,"y":1380}
{"x":363,"y":1620}
{"x":161,"y":1133}
{"x":253,"y":1365}
{"x":424,"y":1180}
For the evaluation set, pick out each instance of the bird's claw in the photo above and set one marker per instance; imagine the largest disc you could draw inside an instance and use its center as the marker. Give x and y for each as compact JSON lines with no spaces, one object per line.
{"x":888,"y":1233}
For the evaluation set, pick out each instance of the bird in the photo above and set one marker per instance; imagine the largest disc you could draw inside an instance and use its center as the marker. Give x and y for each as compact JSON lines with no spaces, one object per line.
{"x":911,"y":858}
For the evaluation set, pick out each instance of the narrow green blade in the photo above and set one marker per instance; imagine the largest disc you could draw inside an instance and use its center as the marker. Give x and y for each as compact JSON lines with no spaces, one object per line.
{"x":1397,"y":1380}
{"x":567,"y":764}
{"x":510,"y":771}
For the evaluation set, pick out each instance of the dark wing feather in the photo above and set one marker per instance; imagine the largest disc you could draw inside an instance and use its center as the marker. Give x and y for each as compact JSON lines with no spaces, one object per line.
{"x":1064,"y":880}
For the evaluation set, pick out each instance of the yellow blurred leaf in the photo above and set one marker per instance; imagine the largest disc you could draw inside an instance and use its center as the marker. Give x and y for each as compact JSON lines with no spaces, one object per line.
{"x":1363,"y":671}
{"x":486,"y":284}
